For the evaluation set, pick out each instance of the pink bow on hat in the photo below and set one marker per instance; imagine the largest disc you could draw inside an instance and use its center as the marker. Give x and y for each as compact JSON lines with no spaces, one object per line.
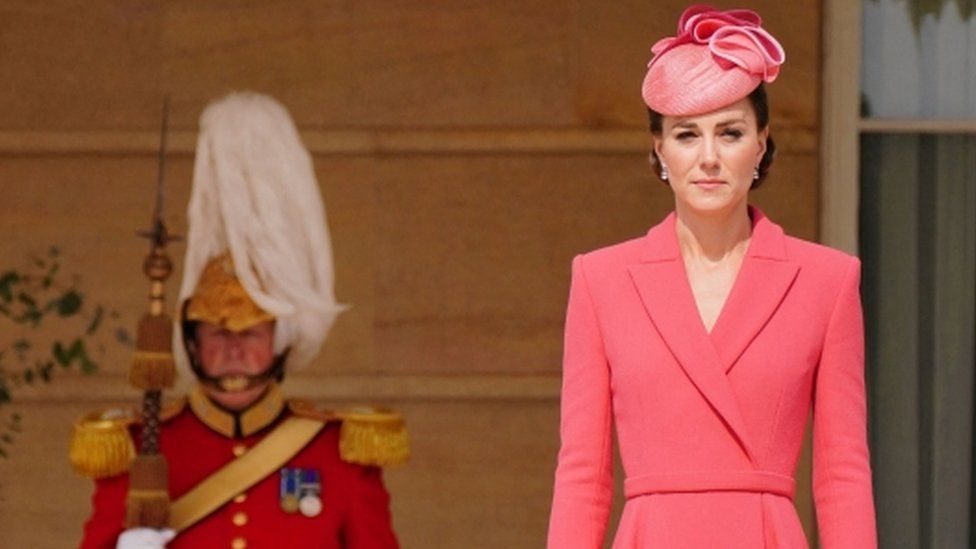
{"x":734,"y":37}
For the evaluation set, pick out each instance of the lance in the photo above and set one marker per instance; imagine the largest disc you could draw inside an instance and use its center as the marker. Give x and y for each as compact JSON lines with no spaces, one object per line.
{"x":152,"y":368}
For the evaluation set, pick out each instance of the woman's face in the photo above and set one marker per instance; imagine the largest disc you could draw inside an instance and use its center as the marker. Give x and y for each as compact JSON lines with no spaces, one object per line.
{"x":711,"y":157}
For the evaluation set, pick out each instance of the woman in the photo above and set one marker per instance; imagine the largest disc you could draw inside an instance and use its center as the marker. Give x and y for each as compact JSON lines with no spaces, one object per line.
{"x":707,"y":342}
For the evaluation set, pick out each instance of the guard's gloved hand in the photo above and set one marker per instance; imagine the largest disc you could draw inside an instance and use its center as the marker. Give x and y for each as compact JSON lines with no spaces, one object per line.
{"x":144,"y":538}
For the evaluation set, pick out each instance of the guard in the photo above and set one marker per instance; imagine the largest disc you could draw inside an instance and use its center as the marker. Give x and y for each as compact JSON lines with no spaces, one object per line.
{"x":246,"y":467}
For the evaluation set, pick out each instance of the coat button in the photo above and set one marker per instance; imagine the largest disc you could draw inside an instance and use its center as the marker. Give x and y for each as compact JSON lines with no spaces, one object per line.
{"x":238,"y":543}
{"x":240,"y":519}
{"x":240,"y":498}
{"x":239,"y":450}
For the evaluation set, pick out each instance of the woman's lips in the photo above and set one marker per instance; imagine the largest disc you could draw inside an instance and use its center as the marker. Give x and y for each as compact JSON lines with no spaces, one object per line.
{"x":709,"y":183}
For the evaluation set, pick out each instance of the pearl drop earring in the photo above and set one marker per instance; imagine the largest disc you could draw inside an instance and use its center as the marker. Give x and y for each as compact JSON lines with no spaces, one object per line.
{"x":664,"y":172}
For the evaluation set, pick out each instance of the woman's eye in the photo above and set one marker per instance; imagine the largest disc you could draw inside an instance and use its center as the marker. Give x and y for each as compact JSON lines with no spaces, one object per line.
{"x":733,"y":134}
{"x":682,"y":136}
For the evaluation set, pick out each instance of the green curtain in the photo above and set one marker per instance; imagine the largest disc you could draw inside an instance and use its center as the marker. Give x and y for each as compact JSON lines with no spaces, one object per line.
{"x":918,"y":247}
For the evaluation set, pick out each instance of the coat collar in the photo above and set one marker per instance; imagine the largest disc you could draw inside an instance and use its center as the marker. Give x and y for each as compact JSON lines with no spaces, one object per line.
{"x":242,"y":424}
{"x":763,"y":281}
{"x":767,"y":241}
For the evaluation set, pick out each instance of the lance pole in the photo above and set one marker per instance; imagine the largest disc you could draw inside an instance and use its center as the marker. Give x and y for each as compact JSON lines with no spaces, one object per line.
{"x":152,"y":369}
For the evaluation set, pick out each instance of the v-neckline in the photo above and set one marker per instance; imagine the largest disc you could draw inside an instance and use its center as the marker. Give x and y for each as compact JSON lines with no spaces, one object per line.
{"x":736,"y":282}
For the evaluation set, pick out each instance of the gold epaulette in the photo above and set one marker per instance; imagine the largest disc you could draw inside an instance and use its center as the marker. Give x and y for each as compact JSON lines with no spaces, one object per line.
{"x":101,"y":445}
{"x":367,"y":436}
{"x":372,"y":436}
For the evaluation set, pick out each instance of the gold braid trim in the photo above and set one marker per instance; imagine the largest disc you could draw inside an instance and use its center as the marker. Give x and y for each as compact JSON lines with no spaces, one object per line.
{"x":373,"y":437}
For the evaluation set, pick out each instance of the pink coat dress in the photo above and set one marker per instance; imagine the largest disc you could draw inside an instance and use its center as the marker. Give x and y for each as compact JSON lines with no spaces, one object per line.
{"x":710,"y":424}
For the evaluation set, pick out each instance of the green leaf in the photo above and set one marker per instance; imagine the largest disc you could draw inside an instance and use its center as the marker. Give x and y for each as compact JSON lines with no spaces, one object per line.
{"x":65,"y":356}
{"x":32,"y":317}
{"x":26,"y":299}
{"x":7,"y":280}
{"x":77,"y":349}
{"x":88,"y":366}
{"x":49,"y":277}
{"x":45,"y":370}
{"x":96,"y":320}
{"x":69,"y":303}
{"x":60,"y":354}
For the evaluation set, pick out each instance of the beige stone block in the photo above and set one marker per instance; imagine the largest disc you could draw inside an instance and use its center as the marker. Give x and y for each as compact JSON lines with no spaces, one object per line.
{"x":42,"y":503}
{"x":73,"y":66}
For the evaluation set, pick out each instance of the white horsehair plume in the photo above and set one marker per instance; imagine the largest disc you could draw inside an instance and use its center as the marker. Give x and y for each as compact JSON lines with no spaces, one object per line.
{"x":255,"y":197}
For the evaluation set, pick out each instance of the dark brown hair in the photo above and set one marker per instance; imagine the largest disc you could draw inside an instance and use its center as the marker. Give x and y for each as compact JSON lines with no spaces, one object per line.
{"x":760,"y":104}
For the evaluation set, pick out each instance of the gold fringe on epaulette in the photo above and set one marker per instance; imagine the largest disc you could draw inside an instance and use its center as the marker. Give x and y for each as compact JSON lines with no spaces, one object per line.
{"x":101,"y":448}
{"x":373,"y":438}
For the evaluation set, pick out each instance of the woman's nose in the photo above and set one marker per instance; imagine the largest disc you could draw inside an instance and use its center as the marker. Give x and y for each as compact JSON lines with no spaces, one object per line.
{"x":709,"y":153}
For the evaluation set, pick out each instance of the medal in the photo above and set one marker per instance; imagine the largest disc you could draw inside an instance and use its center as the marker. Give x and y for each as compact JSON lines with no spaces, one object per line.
{"x":300,"y":491}
{"x":309,"y":490}
{"x":288,"y":490}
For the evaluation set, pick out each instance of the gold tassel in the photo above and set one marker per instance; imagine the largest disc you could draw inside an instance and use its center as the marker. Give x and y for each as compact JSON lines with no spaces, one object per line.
{"x":373,"y":438}
{"x":101,"y":448}
{"x":152,"y":367}
{"x":147,"y":504}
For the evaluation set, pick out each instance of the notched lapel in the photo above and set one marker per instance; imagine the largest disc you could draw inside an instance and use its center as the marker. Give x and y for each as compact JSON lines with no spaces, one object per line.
{"x":664,"y":290}
{"x":764,"y":279}
{"x":759,"y":289}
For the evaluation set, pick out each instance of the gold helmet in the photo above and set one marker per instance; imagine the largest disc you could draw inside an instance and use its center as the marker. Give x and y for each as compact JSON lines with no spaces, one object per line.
{"x":258,"y":245}
{"x":220,"y":299}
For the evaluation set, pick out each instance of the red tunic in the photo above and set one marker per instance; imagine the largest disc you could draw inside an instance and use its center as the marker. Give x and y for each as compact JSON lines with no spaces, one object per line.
{"x":355,"y":505}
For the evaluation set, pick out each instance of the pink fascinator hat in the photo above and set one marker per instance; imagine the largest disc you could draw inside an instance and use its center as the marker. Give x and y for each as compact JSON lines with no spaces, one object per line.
{"x":716,"y":59}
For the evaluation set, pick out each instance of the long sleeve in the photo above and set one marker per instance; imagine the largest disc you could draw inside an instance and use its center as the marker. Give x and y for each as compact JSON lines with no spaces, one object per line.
{"x":108,"y":513}
{"x":583,"y":485}
{"x":841,"y":465}
{"x":368,"y":523}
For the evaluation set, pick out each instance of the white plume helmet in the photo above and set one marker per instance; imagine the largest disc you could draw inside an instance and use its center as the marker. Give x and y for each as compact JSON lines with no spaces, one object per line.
{"x":255,"y":197}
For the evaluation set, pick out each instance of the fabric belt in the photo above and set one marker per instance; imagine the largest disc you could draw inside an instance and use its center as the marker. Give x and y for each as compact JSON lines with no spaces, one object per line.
{"x":710,"y":481}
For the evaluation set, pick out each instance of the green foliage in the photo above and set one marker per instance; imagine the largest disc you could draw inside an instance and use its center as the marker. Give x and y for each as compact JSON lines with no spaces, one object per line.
{"x":919,"y":9}
{"x":40,"y":295}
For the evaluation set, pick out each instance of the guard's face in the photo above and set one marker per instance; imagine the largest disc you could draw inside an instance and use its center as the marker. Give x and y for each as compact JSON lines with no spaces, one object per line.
{"x":222,"y":352}
{"x":711,"y":157}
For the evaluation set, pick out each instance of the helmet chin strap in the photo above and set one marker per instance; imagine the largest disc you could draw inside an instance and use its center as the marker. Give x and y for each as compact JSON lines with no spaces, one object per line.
{"x":232,"y":383}
{"x":240,"y":382}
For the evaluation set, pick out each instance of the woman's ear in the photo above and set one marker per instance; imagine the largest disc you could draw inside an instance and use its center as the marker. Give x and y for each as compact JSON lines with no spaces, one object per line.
{"x":657,"y":146}
{"x":762,"y":136}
